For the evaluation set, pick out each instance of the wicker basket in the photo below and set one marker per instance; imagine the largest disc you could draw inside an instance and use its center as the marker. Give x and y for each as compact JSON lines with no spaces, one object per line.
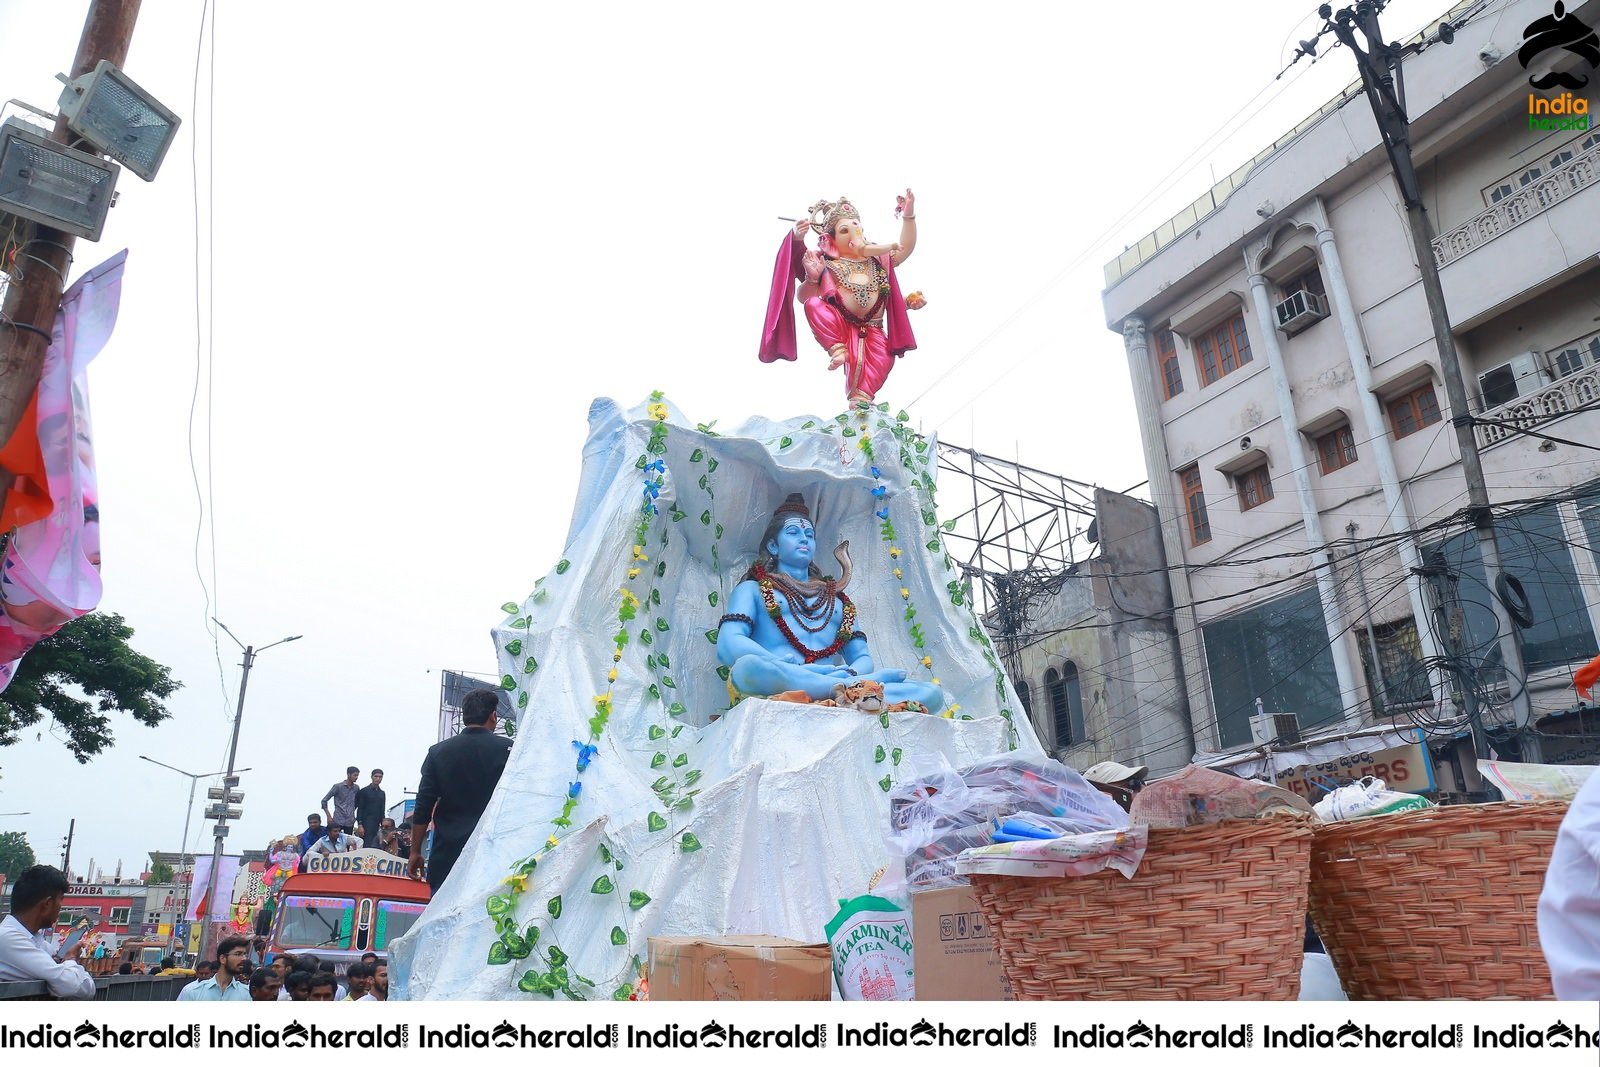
{"x":1436,"y":904}
{"x":1214,"y":913}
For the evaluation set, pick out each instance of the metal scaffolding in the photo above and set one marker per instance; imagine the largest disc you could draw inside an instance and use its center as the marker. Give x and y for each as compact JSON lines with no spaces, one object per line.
{"x":1022,"y":532}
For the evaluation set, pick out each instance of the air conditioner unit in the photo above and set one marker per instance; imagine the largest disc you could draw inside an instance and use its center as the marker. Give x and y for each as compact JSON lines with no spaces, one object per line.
{"x":1518,"y":376}
{"x":1280,"y":727}
{"x":1300,"y":310}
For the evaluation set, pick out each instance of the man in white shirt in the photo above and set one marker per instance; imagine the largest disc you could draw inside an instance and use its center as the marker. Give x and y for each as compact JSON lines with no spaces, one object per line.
{"x":1569,"y":907}
{"x":232,"y":955}
{"x":26,"y":951}
{"x":335,"y":841}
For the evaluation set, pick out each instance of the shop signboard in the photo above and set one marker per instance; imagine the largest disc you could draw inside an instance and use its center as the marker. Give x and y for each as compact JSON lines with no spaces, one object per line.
{"x":1404,"y":768}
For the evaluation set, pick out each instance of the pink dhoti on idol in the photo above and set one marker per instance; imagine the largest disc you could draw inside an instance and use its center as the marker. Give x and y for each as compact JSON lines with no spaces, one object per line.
{"x":866,"y":345}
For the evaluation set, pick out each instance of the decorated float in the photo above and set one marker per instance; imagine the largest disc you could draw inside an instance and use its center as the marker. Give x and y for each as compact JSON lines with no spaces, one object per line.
{"x":750,"y":638}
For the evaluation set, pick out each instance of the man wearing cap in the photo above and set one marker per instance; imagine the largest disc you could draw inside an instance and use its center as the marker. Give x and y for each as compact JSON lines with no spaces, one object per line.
{"x":1117,"y":780}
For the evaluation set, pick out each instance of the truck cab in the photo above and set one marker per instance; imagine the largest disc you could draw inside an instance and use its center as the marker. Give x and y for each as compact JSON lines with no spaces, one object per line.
{"x":346,"y":904}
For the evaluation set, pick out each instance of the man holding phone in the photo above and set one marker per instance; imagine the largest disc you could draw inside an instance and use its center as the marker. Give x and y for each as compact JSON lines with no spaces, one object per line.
{"x":26,"y":954}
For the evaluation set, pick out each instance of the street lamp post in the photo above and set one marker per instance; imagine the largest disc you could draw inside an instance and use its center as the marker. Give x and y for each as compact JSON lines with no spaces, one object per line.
{"x":220,"y":831}
{"x":183,"y":855}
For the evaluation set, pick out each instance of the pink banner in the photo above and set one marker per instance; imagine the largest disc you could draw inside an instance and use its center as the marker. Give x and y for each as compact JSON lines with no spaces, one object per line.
{"x":50,"y":573}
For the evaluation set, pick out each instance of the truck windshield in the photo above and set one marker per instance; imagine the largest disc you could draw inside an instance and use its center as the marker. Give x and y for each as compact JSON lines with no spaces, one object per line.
{"x":315,"y":922}
{"x":395,"y":917}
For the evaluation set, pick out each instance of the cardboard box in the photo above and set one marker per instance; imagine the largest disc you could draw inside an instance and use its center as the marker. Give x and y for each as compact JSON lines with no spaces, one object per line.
{"x":739,"y":967}
{"x":952,"y":951}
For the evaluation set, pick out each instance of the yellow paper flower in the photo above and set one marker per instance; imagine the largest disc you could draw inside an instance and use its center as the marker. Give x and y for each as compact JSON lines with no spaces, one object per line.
{"x":897,"y":573}
{"x":934,"y":680}
{"x":551,"y":841}
{"x":633,"y":572}
{"x":611,"y":675}
{"x":894,"y":553}
{"x":905,"y":594}
{"x":628,"y":594}
{"x":953,"y":709}
{"x":602,"y":701}
{"x":616,"y":657}
{"x":658,"y":412}
{"x":518,"y":883}
{"x":927,"y":661}
{"x":948,"y":713}
{"x":638,"y":552}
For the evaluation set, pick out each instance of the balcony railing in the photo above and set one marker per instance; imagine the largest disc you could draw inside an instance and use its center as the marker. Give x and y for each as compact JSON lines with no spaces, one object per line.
{"x":1531,"y":200}
{"x":1531,"y":412}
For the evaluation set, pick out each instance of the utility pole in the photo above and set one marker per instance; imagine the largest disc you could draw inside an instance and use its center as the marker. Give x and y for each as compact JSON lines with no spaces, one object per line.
{"x":229,"y":781}
{"x":1379,"y":64}
{"x":66,"y":849}
{"x":44,"y":260}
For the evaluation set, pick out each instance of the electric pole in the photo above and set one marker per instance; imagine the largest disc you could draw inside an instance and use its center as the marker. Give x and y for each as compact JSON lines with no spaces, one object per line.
{"x":229,"y":781}
{"x":1379,"y":65}
{"x":66,"y":849}
{"x":44,"y":259}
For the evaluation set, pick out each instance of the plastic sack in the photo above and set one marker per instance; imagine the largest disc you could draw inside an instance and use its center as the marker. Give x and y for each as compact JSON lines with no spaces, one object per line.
{"x":944,"y":812}
{"x":1198,"y":796}
{"x":1062,"y":857}
{"x":871,"y":942}
{"x":1370,"y":796}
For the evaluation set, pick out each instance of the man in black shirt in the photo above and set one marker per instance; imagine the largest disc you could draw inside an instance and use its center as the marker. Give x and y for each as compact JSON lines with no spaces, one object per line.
{"x":458,"y":778}
{"x":370,"y":803}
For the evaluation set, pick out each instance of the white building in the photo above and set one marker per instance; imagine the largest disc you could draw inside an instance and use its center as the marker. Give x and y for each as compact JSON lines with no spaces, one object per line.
{"x":1295,"y":424}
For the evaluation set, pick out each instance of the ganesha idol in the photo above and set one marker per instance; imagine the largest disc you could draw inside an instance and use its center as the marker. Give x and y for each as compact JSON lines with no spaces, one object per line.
{"x":850,"y":294}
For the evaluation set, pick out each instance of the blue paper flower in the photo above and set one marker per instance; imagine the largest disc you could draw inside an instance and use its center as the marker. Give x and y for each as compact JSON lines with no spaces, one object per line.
{"x":573,"y":789}
{"x":882,"y":513}
{"x":585,"y":754}
{"x":879,"y":490}
{"x":876,"y":473}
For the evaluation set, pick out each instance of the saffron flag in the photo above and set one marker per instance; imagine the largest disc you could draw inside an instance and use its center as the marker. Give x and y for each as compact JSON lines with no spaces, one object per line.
{"x":50,"y":573}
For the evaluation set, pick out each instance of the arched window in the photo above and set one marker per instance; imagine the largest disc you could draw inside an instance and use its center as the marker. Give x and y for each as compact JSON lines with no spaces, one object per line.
{"x":1066,"y":705}
{"x":1024,"y":695}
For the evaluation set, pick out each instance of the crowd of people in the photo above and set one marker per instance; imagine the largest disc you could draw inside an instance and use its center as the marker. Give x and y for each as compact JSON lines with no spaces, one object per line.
{"x":288,"y":977}
{"x":352,"y":817}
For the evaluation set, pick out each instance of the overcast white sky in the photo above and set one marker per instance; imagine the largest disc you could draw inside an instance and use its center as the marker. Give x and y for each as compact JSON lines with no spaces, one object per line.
{"x":440,"y":230}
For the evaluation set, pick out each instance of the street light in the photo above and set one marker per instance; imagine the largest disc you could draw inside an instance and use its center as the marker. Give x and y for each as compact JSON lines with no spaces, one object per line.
{"x":187,"y":811}
{"x":220,"y":830}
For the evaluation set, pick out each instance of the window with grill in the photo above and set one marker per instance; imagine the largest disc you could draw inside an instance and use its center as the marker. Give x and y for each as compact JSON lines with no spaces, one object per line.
{"x":1336,"y":448}
{"x":1066,"y":705}
{"x":119,"y":916}
{"x":1589,"y":142}
{"x":1579,"y":355}
{"x":1025,"y":695}
{"x":1414,"y":410}
{"x":1255,"y":487}
{"x":1563,"y":156}
{"x":1397,"y":679}
{"x":1222,"y":350}
{"x":1167,"y":356}
{"x":1309,"y":282}
{"x":1194,"y":502}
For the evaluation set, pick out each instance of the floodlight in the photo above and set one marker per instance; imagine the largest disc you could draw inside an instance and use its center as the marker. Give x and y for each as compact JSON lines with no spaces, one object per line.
{"x":53,"y":184}
{"x":106,"y":108}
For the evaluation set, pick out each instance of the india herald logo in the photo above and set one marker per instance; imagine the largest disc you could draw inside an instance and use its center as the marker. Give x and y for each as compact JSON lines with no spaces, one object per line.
{"x":1559,"y":30}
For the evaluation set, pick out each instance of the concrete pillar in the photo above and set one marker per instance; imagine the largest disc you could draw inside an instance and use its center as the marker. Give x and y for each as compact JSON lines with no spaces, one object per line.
{"x":1382,"y":448}
{"x":1202,"y":717}
{"x":1332,"y":617}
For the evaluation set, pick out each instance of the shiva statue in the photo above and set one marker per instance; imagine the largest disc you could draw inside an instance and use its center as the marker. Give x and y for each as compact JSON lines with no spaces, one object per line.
{"x":792,"y":628}
{"x":850,"y":294}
